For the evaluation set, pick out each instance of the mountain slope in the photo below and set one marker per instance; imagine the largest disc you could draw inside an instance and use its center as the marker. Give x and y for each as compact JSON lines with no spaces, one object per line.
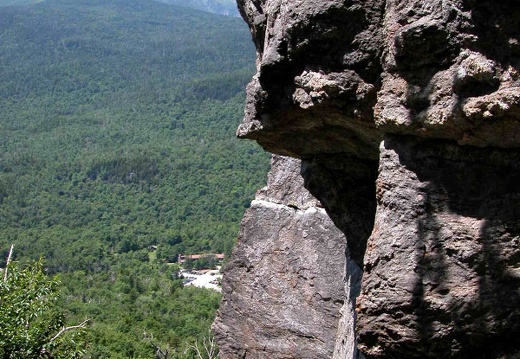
{"x":223,"y":7}
{"x":109,"y":98}
{"x":117,"y":123}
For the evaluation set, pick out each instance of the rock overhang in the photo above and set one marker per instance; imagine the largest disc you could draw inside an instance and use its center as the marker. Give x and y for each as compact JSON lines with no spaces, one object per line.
{"x":406,"y":115}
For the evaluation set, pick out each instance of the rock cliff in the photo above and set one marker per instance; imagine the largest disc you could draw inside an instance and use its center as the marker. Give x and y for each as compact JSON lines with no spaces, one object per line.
{"x":284,"y":286}
{"x":405,"y":116}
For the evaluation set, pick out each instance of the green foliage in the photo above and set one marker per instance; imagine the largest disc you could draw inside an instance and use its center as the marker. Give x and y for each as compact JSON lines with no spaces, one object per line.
{"x":117,"y":123}
{"x":31,"y":320}
{"x":134,"y":301}
{"x":117,"y":131}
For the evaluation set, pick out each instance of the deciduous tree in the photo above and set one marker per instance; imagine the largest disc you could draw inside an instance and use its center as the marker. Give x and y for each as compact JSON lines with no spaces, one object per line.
{"x":32,"y":326}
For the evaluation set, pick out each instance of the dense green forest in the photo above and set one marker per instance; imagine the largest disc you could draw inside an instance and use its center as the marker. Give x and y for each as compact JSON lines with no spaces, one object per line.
{"x":117,"y":122}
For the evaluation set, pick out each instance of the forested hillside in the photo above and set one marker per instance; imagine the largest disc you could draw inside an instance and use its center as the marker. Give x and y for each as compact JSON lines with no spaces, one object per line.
{"x":223,"y":7}
{"x":117,"y":123}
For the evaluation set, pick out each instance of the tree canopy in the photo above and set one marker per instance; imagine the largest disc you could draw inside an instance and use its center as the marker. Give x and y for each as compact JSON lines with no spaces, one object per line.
{"x":117,"y":153}
{"x":32,"y":323}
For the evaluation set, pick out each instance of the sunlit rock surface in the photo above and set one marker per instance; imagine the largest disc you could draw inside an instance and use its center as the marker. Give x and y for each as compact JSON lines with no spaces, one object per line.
{"x":284,"y":286}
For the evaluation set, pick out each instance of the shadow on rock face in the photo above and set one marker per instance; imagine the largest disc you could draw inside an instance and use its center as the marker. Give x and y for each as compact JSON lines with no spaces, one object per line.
{"x":439,"y":202}
{"x":451,"y":71}
{"x":345,"y":186}
{"x":318,"y":74}
{"x":442,"y":272}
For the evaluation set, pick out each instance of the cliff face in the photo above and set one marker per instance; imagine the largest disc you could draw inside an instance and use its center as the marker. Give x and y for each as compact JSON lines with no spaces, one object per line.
{"x":284,"y":285}
{"x":441,"y":271}
{"x":406,"y":118}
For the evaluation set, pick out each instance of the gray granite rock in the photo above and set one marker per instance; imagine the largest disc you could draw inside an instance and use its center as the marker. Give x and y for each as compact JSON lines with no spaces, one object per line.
{"x":406,"y":116}
{"x":441,"y":276}
{"x":284,"y":285}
